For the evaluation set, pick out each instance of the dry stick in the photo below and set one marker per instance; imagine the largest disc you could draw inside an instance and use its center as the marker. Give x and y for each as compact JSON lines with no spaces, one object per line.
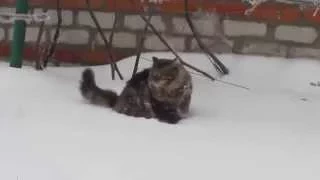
{"x":172,"y":50}
{"x":111,"y":41}
{"x":93,"y":17}
{"x":38,"y":65}
{"x":108,"y":48}
{"x":56,"y":36}
{"x":157,"y":33}
{"x":113,"y":28}
{"x":233,"y":84}
{"x":217,"y":63}
{"x":114,"y":24}
{"x":143,"y":37}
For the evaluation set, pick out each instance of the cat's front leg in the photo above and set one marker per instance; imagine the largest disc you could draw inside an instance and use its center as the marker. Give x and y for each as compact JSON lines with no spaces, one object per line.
{"x":184,"y":106}
{"x":146,"y":99}
{"x":149,"y":113}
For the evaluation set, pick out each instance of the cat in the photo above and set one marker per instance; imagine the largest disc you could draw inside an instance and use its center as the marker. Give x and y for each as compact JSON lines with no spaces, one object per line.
{"x":162,"y":91}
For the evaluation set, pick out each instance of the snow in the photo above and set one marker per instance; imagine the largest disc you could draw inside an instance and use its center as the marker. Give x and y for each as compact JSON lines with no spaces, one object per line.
{"x":272,"y":131}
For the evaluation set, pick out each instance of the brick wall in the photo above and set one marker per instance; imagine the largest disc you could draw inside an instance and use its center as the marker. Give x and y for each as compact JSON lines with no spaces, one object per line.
{"x":274,"y":29}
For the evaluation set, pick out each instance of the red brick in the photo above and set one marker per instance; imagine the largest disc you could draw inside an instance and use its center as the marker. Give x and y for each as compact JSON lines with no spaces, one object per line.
{"x":83,"y":56}
{"x":178,"y":6}
{"x":276,"y":12}
{"x":29,"y":53}
{"x":65,"y":4}
{"x":234,"y":8}
{"x":308,"y":16}
{"x":46,"y":3}
{"x":266,"y":12}
{"x":68,"y":55}
{"x":290,"y":14}
{"x":7,"y":2}
{"x":65,"y":55}
{"x":124,"y":5}
{"x":75,"y":4}
{"x":4,"y":49}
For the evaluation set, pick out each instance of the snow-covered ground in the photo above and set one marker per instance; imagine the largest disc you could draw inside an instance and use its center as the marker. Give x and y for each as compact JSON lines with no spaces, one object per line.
{"x":272,"y":131}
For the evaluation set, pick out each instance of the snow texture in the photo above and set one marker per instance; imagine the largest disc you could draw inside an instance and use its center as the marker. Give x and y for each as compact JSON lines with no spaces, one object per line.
{"x":272,"y":131}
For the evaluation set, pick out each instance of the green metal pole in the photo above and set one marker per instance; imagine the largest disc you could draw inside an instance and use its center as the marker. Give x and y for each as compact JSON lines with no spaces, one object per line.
{"x":19,"y":32}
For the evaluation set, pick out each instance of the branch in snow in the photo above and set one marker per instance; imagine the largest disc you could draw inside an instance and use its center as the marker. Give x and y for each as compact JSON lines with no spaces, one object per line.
{"x":53,"y":45}
{"x":214,"y":60}
{"x":37,"y":48}
{"x":106,"y":43}
{"x":111,"y":40}
{"x":139,"y":48}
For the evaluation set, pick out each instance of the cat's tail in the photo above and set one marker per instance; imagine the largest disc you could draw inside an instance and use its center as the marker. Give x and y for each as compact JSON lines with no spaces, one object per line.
{"x":95,"y":95}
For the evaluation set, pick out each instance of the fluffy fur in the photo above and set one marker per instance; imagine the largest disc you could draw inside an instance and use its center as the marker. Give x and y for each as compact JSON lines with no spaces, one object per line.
{"x":162,"y":91}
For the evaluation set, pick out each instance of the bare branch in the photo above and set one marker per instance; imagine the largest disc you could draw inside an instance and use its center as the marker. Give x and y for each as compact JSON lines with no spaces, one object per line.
{"x":143,"y":37}
{"x":113,"y":28}
{"x":55,"y":37}
{"x":216,"y":62}
{"x":38,"y":65}
{"x":111,"y":41}
{"x":107,"y":45}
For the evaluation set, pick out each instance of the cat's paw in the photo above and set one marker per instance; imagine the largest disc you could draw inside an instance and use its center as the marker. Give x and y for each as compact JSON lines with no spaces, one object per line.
{"x":171,"y":120}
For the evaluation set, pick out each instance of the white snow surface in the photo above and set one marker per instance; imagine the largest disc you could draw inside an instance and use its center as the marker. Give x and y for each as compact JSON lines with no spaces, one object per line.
{"x":272,"y":131}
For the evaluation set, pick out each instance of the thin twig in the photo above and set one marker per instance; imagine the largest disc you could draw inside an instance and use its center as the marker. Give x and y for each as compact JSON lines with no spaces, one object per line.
{"x":139,"y":49}
{"x":113,"y":28}
{"x":170,"y":48}
{"x":55,"y":37}
{"x":111,"y":40}
{"x":107,"y":45}
{"x":233,"y":84}
{"x":38,"y":65}
{"x":216,"y":62}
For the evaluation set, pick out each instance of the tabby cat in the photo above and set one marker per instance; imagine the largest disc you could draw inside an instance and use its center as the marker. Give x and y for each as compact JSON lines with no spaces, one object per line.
{"x":162,"y":91}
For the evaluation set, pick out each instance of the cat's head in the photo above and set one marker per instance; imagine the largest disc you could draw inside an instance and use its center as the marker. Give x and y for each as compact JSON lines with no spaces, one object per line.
{"x":164,"y":70}
{"x":166,"y":77}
